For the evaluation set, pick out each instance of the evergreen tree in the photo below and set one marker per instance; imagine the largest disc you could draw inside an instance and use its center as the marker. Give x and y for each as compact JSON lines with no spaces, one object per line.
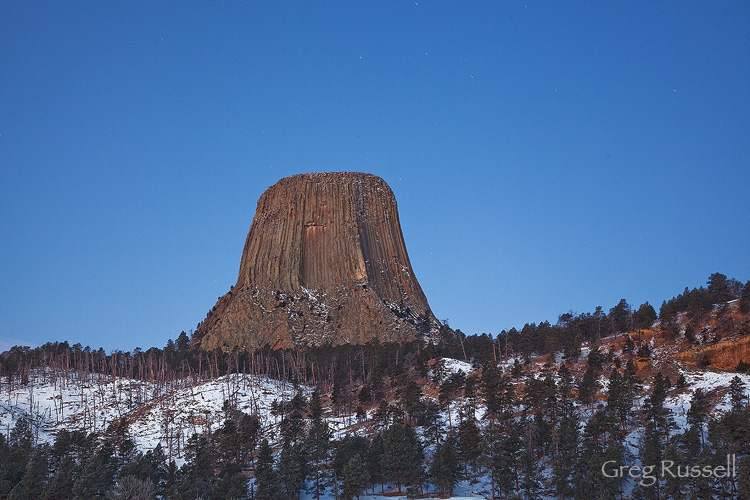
{"x":61,"y":485}
{"x":150,"y":466}
{"x":292,"y":426}
{"x":644,"y":317}
{"x":729,"y":434}
{"x":620,"y":315}
{"x":375,"y":460}
{"x":445,"y":469}
{"x":674,"y":487}
{"x":530,"y":474}
{"x":34,"y":480}
{"x":619,"y":400}
{"x":231,"y":482}
{"x":317,"y":442}
{"x":745,"y":298}
{"x":502,"y":446}
{"x":171,"y":478}
{"x":402,"y":455}
{"x":657,"y":423}
{"x":469,"y":443}
{"x":409,"y":395}
{"x":633,"y":384}
{"x":698,"y":412}
{"x":292,"y":469}
{"x":737,"y":394}
{"x":743,"y":478}
{"x":499,"y":394}
{"x":471,"y":387}
{"x":197,"y":475}
{"x":449,"y":390}
{"x":719,"y":289}
{"x":588,"y":481}
{"x":565,"y":455}
{"x":97,"y":475}
{"x":588,"y":388}
{"x":355,"y":478}
{"x":15,"y":456}
{"x":266,"y":479}
{"x":431,"y":420}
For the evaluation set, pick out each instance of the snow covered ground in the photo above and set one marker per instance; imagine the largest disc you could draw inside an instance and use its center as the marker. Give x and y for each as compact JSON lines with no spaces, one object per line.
{"x":170,"y":415}
{"x":154,"y":415}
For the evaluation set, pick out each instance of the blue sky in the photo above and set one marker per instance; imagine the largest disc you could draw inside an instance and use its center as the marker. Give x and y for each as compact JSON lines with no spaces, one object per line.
{"x":546,"y":156}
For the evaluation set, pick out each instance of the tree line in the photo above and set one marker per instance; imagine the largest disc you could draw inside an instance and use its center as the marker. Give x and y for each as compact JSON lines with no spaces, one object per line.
{"x":526,"y":432}
{"x":179,"y":363}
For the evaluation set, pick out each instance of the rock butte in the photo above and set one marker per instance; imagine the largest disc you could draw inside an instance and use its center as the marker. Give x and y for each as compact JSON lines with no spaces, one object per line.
{"x":324,"y":263}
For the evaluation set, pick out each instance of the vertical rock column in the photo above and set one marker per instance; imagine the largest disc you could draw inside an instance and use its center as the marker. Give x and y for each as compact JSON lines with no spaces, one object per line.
{"x":324,"y":263}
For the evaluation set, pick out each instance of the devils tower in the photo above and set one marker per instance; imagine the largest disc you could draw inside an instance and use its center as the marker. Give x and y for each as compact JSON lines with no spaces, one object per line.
{"x":324,"y":263}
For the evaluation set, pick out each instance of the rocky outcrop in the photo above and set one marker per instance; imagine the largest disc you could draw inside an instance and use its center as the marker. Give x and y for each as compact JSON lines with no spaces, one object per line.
{"x":324,"y":263}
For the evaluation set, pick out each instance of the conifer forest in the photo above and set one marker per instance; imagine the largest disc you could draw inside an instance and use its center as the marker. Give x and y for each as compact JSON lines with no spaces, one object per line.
{"x":620,"y":403}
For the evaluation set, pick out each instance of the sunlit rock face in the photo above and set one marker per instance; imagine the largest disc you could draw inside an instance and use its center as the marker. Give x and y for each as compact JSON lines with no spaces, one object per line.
{"x":324,"y":263}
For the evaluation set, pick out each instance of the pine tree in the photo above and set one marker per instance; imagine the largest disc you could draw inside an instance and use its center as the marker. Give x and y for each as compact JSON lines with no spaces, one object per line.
{"x":266,"y":478}
{"x":502,"y":444}
{"x":471,"y":385}
{"x":498,"y":392}
{"x":596,"y":449}
{"x":588,"y":388}
{"x":32,"y":485}
{"x":355,"y":478}
{"x":658,"y":422}
{"x":15,"y":456}
{"x":469,"y":443}
{"x":644,"y":317}
{"x":149,"y":466}
{"x":698,"y":411}
{"x":409,"y":395}
{"x":292,"y":469}
{"x":674,"y":487}
{"x":719,"y":288}
{"x":737,"y":394}
{"x":171,"y":478}
{"x":402,"y":455}
{"x":61,"y":485}
{"x":745,"y":298}
{"x":197,"y":475}
{"x":317,"y":442}
{"x":530,"y":474}
{"x":619,"y":400}
{"x":728,"y":434}
{"x":97,"y":475}
{"x":565,"y":455}
{"x":620,"y":316}
{"x":292,"y":426}
{"x":445,"y":469}
{"x":375,"y":460}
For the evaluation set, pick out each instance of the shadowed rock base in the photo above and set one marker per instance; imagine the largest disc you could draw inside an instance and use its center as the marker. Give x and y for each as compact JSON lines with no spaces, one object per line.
{"x":324,"y":263}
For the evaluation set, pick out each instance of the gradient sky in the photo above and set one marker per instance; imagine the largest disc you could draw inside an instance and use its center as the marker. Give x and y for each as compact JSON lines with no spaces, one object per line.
{"x":546,"y":156}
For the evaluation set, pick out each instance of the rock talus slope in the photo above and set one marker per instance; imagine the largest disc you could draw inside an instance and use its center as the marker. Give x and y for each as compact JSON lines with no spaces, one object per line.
{"x":324,"y":263}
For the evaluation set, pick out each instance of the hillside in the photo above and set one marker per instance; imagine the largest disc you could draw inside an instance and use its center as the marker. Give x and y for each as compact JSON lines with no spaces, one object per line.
{"x":537,"y":413}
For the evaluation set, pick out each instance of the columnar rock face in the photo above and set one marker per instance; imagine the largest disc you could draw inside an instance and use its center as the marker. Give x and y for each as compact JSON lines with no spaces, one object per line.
{"x":324,"y":264}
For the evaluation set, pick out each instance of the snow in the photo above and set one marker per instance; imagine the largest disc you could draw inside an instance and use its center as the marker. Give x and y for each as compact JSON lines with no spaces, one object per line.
{"x":167,"y":416}
{"x":454,"y":366}
{"x":709,"y":381}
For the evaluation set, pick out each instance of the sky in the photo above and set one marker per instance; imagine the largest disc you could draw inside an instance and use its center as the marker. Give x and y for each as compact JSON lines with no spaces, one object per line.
{"x":546,"y":156}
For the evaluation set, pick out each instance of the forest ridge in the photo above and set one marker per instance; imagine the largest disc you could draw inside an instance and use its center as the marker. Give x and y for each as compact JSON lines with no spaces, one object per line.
{"x":533,"y":412}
